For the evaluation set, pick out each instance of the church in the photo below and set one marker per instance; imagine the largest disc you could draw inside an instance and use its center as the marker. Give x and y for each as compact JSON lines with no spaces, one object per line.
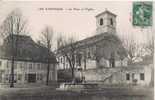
{"x":101,"y":50}
{"x":103,"y":59}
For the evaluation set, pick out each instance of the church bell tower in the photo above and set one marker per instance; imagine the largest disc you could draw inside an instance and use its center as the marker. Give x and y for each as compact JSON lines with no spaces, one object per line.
{"x":106,"y":22}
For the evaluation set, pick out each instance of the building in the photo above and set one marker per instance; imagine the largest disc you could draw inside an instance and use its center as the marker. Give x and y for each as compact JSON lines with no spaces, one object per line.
{"x":140,"y":73}
{"x":101,"y":50}
{"x":103,"y":57}
{"x":30,"y":64}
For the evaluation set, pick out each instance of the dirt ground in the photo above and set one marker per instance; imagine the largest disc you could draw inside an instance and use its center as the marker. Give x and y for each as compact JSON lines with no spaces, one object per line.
{"x":49,"y":93}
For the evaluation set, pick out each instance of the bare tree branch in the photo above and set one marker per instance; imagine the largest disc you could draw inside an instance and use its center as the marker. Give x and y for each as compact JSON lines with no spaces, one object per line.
{"x":14,"y":24}
{"x":46,"y":39}
{"x":68,"y":49}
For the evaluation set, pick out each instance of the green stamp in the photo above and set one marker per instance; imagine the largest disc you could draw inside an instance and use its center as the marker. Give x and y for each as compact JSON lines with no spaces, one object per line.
{"x":142,"y":13}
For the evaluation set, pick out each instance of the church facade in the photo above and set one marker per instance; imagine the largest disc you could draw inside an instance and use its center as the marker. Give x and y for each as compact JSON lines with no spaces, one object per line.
{"x":101,"y":50}
{"x":103,"y":59}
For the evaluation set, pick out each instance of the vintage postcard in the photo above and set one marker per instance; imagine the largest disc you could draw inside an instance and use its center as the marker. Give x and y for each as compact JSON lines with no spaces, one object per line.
{"x":77,"y":50}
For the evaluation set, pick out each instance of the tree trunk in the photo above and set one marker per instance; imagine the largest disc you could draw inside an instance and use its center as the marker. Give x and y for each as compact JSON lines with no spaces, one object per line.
{"x":73,"y":76}
{"x":152,"y":77}
{"x":12,"y":63}
{"x":48,"y":71}
{"x":121,"y":63}
{"x":85,"y":63}
{"x":12,"y":72}
{"x":48,"y":68}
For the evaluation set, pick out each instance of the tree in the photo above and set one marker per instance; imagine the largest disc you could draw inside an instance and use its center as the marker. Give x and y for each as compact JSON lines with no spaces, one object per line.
{"x":46,"y":38}
{"x":150,"y":45}
{"x":137,"y":50}
{"x":14,"y":24}
{"x":131,"y":48}
{"x":68,"y":49}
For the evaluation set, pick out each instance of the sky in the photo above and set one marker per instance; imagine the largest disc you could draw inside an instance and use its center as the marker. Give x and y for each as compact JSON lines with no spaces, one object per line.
{"x":77,"y":23}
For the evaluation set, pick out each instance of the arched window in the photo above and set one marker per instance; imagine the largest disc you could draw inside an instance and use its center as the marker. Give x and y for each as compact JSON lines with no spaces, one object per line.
{"x":111,"y":21}
{"x":79,"y":57}
{"x":101,"y":21}
{"x":112,"y":60}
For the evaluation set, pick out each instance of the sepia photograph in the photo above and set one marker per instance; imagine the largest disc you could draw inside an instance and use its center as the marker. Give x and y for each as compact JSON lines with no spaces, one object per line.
{"x":77,"y":50}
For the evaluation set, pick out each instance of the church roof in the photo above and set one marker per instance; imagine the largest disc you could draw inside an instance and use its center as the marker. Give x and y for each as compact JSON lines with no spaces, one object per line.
{"x":27,"y":50}
{"x":106,"y":11}
{"x":107,"y":43}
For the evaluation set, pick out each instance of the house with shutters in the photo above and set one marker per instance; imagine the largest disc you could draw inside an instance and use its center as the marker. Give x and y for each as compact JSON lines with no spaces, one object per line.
{"x":30,"y":63}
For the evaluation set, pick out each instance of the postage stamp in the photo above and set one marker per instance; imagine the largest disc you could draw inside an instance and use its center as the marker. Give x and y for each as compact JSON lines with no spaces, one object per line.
{"x":142,"y":13}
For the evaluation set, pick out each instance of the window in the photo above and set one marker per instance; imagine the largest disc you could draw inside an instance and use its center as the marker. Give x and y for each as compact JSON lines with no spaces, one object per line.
{"x":43,"y":66}
{"x":1,"y":77}
{"x":7,"y":77}
{"x":101,"y":21}
{"x":142,"y":76}
{"x":39,"y":67}
{"x":30,"y":66}
{"x":112,"y":60}
{"x":8,"y":64}
{"x":61,"y":59}
{"x":26,"y":77}
{"x":21,"y":65}
{"x":111,"y":21}
{"x":25,"y":66}
{"x":15,"y":65}
{"x":133,"y":76}
{"x":34,"y":66}
{"x":89,"y":55}
{"x":112,"y":63}
{"x":127,"y":76}
{"x":15,"y":78}
{"x":19,"y":77}
{"x":0,"y":63}
{"x":40,"y":77}
{"x":78,"y":59}
{"x":66,"y":65}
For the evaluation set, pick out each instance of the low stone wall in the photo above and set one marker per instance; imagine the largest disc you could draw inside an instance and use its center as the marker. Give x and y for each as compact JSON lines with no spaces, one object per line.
{"x":99,"y":75}
{"x":52,"y":84}
{"x":118,"y":75}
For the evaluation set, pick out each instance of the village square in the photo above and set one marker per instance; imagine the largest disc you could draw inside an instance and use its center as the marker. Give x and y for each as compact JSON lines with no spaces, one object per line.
{"x":105,"y":63}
